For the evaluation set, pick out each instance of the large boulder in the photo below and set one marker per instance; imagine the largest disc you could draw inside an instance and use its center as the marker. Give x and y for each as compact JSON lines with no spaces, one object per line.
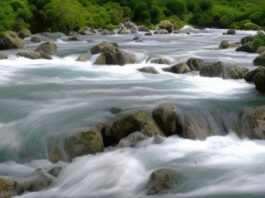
{"x":138,"y":121}
{"x":167,"y":119}
{"x":150,"y":70}
{"x":85,"y":142}
{"x":102,"y":47}
{"x":180,"y":68}
{"x":260,"y":60}
{"x":24,"y":33}
{"x":166,"y":25}
{"x":33,"y":55}
{"x":7,"y":188}
{"x":258,"y":77}
{"x":10,"y":40}
{"x":247,"y":47}
{"x":161,"y":181}
{"x":115,"y":56}
{"x":253,"y":123}
{"x":49,"y":48}
{"x":224,"y":71}
{"x":195,"y":64}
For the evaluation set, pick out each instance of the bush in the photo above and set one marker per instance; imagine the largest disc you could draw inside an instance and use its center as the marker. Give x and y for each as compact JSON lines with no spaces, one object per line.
{"x":175,"y":7}
{"x":259,"y":40}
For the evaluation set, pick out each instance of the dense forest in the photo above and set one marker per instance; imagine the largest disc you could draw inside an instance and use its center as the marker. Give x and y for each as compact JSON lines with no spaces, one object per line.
{"x":66,"y":15}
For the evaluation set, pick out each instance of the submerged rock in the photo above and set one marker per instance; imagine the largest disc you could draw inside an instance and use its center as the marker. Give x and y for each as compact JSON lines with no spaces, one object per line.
{"x":150,"y":70}
{"x":221,"y":70}
{"x":24,"y":33}
{"x":82,"y":58}
{"x":10,"y":40}
{"x":167,"y":119}
{"x":180,"y":68}
{"x":138,"y":121}
{"x":49,"y":48}
{"x":159,"y":60}
{"x":260,"y":60}
{"x":253,"y":123}
{"x":148,"y":34}
{"x":161,"y":181}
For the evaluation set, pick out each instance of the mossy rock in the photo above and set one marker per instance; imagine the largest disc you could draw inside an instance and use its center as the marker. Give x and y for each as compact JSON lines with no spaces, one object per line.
{"x":102,"y":47}
{"x":150,"y":70}
{"x":7,"y":188}
{"x":247,"y":39}
{"x":10,"y":40}
{"x":195,"y":63}
{"x":24,"y":33}
{"x":261,"y":49}
{"x":180,"y":68}
{"x":247,"y":47}
{"x":260,"y":60}
{"x":49,"y":48}
{"x":138,"y":121}
{"x":166,"y":25}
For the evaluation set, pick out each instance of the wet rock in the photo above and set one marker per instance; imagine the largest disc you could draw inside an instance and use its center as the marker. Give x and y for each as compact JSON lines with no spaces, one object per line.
{"x":107,"y":32}
{"x":2,"y":57}
{"x":261,"y":49}
{"x":82,"y":58}
{"x":73,"y":38}
{"x":138,"y":121}
{"x":85,"y":142}
{"x":132,"y":140}
{"x":258,"y":77}
{"x":167,"y":119}
{"x":221,"y":70}
{"x":253,"y":123}
{"x":55,"y":171}
{"x":124,"y":31}
{"x":247,"y":47}
{"x":35,"y":39}
{"x":102,"y":47}
{"x":247,"y":39}
{"x":150,"y":70}
{"x":166,"y":25}
{"x":30,"y":54}
{"x":224,"y":44}
{"x":115,"y":110}
{"x":115,"y":56}
{"x":148,"y":34}
{"x":159,"y":60}
{"x":195,"y":64}
{"x":180,"y":68}
{"x":260,"y":60}
{"x":161,"y":181}
{"x":53,"y":35}
{"x":129,"y":25}
{"x":10,"y":40}
{"x":7,"y":188}
{"x":230,"y":32}
{"x":142,"y":28}
{"x":161,"y":31}
{"x":24,"y":33}
{"x":73,"y":33}
{"x":49,"y":48}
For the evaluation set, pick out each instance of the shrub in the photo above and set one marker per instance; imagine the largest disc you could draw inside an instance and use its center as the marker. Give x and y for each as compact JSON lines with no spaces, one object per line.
{"x":259,"y":40}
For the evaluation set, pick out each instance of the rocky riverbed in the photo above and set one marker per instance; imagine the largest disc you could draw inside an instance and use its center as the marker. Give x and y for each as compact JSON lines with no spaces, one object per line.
{"x":129,"y":114}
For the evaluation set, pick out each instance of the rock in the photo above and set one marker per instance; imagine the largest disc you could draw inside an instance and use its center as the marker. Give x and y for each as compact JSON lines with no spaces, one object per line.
{"x":73,"y":33}
{"x":115,"y":56}
{"x":161,"y":181}
{"x":138,"y":121}
{"x":10,"y":40}
{"x":142,"y":28}
{"x":224,"y":44}
{"x":150,"y":70}
{"x":247,"y":39}
{"x":260,"y":60}
{"x":230,"y":32}
{"x":102,"y":47}
{"x":73,"y":38}
{"x":30,"y":54}
{"x":148,"y":34}
{"x":247,"y":47}
{"x":132,"y":140}
{"x":85,"y":142}
{"x":115,"y":110}
{"x":124,"y":31}
{"x":221,"y":70}
{"x":107,"y":32}
{"x":24,"y":33}
{"x":258,"y":77}
{"x":180,"y":68}
{"x":167,"y":119}
{"x":7,"y":188}
{"x":82,"y":58}
{"x":53,"y":35}
{"x":130,"y":26}
{"x":253,"y":123}
{"x":49,"y":48}
{"x":249,"y":77}
{"x":3,"y":57}
{"x":166,"y":25}
{"x":55,"y":171}
{"x":161,"y":31}
{"x":261,"y":49}
{"x":195,"y":64}
{"x":159,"y":60}
{"x":35,"y":39}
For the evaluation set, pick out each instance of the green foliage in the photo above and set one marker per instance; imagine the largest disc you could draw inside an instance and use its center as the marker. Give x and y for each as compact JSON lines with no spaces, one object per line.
{"x":259,"y":40}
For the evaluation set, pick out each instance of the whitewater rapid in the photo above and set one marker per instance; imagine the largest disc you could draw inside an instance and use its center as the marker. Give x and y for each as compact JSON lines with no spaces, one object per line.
{"x":45,"y":99}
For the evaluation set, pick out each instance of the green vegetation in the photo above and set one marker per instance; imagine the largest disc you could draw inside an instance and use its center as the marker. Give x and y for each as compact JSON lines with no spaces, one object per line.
{"x":66,"y":15}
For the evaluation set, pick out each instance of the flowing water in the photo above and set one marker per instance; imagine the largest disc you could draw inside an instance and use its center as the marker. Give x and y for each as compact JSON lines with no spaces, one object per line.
{"x":42,"y":100}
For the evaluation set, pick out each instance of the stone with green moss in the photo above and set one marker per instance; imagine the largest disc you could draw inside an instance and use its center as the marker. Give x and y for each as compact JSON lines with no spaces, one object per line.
{"x":10,"y":40}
